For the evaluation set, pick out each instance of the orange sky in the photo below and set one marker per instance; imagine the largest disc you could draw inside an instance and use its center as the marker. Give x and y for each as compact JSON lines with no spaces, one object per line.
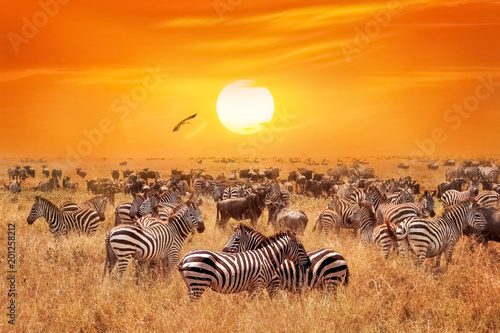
{"x":365,"y":78}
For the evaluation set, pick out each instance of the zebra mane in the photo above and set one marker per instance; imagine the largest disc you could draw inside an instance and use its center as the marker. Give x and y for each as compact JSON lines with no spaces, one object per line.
{"x":369,"y":209}
{"x":249,"y":230}
{"x":448,"y":210}
{"x":377,"y":191}
{"x":47,"y":202}
{"x":178,"y":208}
{"x":272,"y":239}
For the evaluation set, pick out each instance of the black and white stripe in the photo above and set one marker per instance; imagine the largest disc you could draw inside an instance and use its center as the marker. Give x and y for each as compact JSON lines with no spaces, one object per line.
{"x":252,"y":271}
{"x":97,"y":203}
{"x":488,"y":199}
{"x":235,"y":192}
{"x":454,"y":173}
{"x":431,"y":237}
{"x":61,"y":223}
{"x":452,"y":197}
{"x":126,"y":213}
{"x":489,"y":174}
{"x":160,"y":242}
{"x":328,"y":268}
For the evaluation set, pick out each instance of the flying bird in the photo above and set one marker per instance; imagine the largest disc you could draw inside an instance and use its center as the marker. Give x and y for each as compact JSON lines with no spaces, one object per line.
{"x":185,"y":121}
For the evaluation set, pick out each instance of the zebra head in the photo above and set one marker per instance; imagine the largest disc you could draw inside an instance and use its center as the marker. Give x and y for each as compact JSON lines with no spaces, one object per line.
{"x":363,"y":214}
{"x":194,"y":216}
{"x":474,"y":187}
{"x":149,"y":205}
{"x":243,"y":239}
{"x":136,"y":204}
{"x":36,"y":211}
{"x":427,"y":204}
{"x":295,"y":251}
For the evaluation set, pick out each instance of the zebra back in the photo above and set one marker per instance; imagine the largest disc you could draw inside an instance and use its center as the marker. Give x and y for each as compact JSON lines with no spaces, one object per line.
{"x":328,"y":269}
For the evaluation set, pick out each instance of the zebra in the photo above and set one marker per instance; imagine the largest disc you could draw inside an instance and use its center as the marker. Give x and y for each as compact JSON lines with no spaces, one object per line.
{"x":357,"y":196}
{"x":488,"y":199}
{"x":363,"y":172}
{"x":375,"y":197}
{"x":398,"y":213}
{"x":383,"y":236}
{"x":125,"y":213}
{"x":235,"y":192}
{"x":277,"y":198}
{"x":328,"y":268}
{"x":61,"y":223}
{"x":251,"y":271}
{"x":167,"y":200}
{"x":454,"y":172}
{"x":160,"y":242}
{"x":97,"y":203}
{"x":489,"y":174}
{"x":328,"y":219}
{"x":404,"y":196}
{"x":278,"y":194}
{"x":472,"y":172}
{"x":431,"y":237}
{"x":452,"y":197}
{"x":346,"y":191}
{"x":345,"y":210}
{"x":364,"y":217}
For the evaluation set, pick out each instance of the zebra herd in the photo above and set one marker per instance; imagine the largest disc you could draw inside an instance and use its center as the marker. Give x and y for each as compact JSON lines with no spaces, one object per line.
{"x":153,"y":227}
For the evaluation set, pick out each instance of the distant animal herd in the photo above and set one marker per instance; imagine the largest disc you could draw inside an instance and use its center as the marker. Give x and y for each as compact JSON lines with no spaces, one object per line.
{"x":393,"y":214}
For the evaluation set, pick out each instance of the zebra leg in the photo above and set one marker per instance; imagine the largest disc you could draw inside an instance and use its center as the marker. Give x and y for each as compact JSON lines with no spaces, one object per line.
{"x":421,"y":255}
{"x":139,"y":270}
{"x":448,"y":252}
{"x":387,"y":250}
{"x":122,"y":264}
{"x":273,"y":287}
{"x":355,"y":232}
{"x":197,"y":288}
{"x":438,"y":261}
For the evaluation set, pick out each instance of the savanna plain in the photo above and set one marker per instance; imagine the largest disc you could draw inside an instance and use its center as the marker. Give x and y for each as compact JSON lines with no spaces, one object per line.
{"x":60,"y":286}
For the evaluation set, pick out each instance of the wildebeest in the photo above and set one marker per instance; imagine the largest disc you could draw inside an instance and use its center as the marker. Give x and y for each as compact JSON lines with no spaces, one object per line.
{"x":46,"y":172}
{"x":115,"y":174}
{"x":14,"y":186}
{"x":14,"y":172}
{"x":249,"y":207}
{"x":57,"y":173}
{"x":30,"y":171}
{"x":22,"y":174}
{"x":80,"y":172}
{"x":272,"y":173}
{"x":283,"y":218}
{"x":48,"y":186}
{"x":445,"y":186}
{"x":67,"y":183}
{"x":432,"y":166}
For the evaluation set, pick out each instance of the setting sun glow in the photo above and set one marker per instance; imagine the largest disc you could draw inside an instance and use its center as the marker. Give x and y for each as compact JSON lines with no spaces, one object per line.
{"x":244,"y":108}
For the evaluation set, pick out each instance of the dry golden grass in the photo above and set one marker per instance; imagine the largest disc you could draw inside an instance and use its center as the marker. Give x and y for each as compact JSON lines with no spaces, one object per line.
{"x":59,"y":285}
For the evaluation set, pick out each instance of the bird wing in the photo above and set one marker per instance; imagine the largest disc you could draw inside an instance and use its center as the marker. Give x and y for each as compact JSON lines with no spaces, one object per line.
{"x":176,"y":128}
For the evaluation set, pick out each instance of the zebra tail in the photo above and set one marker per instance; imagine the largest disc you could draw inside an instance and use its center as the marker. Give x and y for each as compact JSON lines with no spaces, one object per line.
{"x":109,"y":254}
{"x":316,"y":222}
{"x":390,"y":231}
{"x":218,"y":210}
{"x":405,"y":235}
{"x":347,"y":275}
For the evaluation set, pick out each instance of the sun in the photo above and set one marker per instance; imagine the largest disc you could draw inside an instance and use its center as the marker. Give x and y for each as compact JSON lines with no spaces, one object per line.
{"x":245,"y":108}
